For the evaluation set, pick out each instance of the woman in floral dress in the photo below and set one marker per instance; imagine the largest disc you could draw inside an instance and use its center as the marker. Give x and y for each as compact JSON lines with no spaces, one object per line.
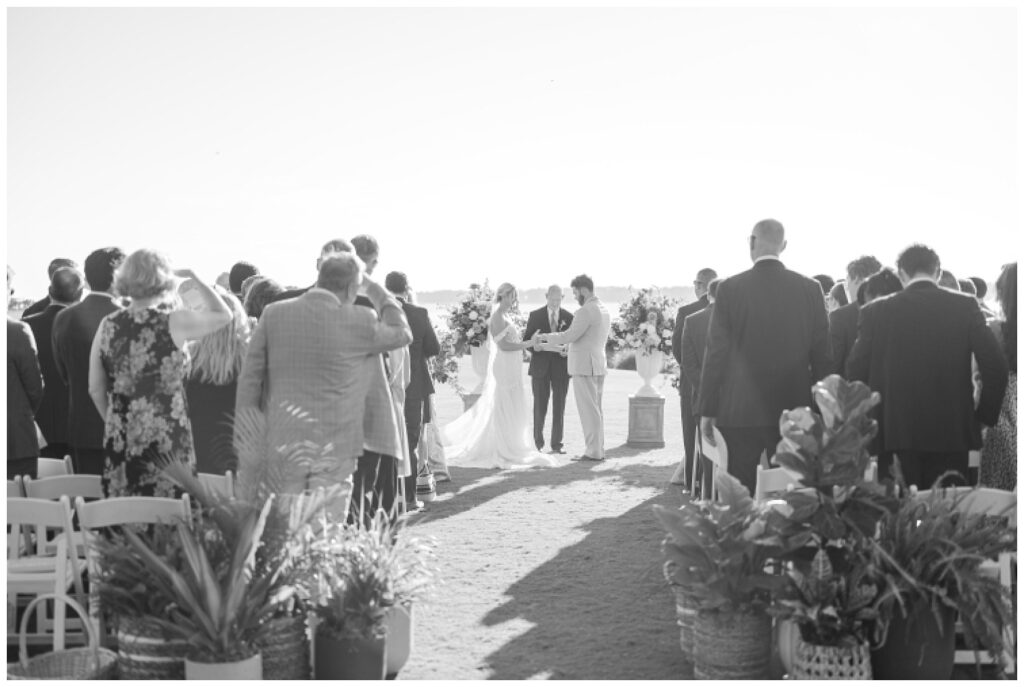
{"x":137,"y":374}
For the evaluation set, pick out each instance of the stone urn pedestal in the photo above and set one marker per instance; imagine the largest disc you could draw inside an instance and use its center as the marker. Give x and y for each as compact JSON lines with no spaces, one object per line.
{"x":646,"y":422}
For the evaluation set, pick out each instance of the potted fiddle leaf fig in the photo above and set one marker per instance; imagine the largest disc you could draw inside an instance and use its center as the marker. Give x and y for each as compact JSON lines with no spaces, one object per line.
{"x":719,"y":552}
{"x":834,"y":585}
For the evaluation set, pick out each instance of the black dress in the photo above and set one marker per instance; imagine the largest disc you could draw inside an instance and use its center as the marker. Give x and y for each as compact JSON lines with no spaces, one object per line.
{"x":211,"y":408}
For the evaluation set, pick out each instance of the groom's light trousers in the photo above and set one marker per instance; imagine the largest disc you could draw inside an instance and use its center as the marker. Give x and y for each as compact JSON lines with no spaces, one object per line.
{"x":588,"y":390}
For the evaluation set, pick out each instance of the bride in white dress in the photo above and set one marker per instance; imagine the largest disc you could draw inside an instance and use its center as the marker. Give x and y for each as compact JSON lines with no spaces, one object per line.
{"x":495,"y":432}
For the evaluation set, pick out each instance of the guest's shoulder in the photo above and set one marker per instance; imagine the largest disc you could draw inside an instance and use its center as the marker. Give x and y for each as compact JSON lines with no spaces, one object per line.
{"x":415,"y":310}
{"x":18,"y":330}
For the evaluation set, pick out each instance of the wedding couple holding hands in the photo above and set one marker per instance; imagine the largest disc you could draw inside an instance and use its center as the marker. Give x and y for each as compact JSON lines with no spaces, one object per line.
{"x":494,"y":433}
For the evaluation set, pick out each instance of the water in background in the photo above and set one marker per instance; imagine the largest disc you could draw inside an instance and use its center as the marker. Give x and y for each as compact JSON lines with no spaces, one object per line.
{"x":439,"y":312}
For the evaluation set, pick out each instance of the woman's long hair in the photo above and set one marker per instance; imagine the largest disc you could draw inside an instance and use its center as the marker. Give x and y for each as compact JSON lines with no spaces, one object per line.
{"x":1006,"y":294}
{"x":217,"y":357}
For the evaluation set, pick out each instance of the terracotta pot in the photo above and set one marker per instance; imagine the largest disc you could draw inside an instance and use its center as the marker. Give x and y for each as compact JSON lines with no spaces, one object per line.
{"x":248,"y":669}
{"x":348,"y":659}
{"x":399,"y":639}
{"x":917,"y":648}
{"x":789,"y":634}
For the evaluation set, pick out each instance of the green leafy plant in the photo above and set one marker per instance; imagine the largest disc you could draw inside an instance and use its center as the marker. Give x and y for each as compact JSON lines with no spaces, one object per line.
{"x":217,"y":609}
{"x":364,"y":570}
{"x":124,"y":580}
{"x":720,"y":550}
{"x":934,"y":551}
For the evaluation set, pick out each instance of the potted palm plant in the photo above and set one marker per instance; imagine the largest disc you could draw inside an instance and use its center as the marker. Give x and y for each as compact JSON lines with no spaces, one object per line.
{"x":146,"y":650}
{"x":933,"y":552}
{"x":353,"y":598}
{"x":719,"y":553}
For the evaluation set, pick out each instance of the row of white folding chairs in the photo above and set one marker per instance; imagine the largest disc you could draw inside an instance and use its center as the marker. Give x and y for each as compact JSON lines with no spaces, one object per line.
{"x":51,"y":487}
{"x":40,"y":563}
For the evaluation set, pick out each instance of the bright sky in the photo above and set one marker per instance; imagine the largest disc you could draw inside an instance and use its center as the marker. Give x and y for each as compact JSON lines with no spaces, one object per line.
{"x":522,"y":145}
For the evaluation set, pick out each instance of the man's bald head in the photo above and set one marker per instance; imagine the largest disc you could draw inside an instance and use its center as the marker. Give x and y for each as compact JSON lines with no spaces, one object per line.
{"x":341,"y":274}
{"x":554,"y":296}
{"x":66,"y":286}
{"x":767,"y":238}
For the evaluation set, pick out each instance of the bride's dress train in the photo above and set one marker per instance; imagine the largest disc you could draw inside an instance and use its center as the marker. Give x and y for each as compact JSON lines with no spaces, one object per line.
{"x":495,"y":432}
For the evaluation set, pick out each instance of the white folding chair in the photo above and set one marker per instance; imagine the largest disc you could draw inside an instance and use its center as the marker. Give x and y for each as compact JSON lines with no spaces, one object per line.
{"x":14,"y":487}
{"x":52,"y":467}
{"x":72,"y":486}
{"x":224,"y":484}
{"x":31,"y":570}
{"x":995,"y":502}
{"x":771,"y":481}
{"x":123,"y":510}
{"x":718,"y":455}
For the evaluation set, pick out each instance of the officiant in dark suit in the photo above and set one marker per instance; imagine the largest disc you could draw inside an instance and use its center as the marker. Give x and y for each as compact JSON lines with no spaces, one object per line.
{"x":767,"y":345}
{"x":687,"y":393}
{"x":549,"y":369}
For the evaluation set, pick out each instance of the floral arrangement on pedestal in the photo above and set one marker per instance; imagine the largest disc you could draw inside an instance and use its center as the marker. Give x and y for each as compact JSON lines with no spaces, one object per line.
{"x":467,"y":319}
{"x":645,"y":323}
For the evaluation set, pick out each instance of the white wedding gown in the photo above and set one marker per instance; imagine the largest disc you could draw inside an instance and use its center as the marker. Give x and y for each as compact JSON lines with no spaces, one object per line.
{"x":495,"y":432}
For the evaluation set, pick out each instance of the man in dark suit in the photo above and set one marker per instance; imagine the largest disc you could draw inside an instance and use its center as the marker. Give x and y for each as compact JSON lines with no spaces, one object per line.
{"x":767,"y":345}
{"x":417,"y":393}
{"x":694,"y":342}
{"x":914,"y":348}
{"x":24,"y":393}
{"x":41,"y":305}
{"x":52,"y":416}
{"x":332,"y":246}
{"x":74,"y":329}
{"x":687,"y":410}
{"x":842,"y":322}
{"x":549,"y":369}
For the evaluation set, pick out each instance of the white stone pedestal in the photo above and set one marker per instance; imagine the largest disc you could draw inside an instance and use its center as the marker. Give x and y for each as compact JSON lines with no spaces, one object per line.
{"x":646,"y":422}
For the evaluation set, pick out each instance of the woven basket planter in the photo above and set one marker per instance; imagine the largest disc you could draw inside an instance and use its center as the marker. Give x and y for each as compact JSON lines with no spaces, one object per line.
{"x":686,"y":618}
{"x":816,"y":662}
{"x":285,"y":649}
{"x":145,"y":651}
{"x":732,"y":646}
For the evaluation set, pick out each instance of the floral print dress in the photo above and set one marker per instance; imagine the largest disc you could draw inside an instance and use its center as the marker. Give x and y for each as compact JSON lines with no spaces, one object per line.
{"x":147,"y":416}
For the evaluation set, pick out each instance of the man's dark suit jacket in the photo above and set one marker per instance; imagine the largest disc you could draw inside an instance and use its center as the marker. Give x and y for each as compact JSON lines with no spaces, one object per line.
{"x":842,"y":332}
{"x":24,"y":391}
{"x":767,"y":345}
{"x":686,"y":389}
{"x":914,"y":348}
{"x":547,"y":363}
{"x":36,"y":308}
{"x":694,"y":343}
{"x":52,"y":415}
{"x":73,"y":331}
{"x":424,"y":345}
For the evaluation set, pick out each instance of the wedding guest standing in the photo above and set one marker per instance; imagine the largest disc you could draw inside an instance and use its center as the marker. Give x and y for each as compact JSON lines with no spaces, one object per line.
{"x":836,"y":296}
{"x":74,"y":329}
{"x":24,"y":394}
{"x":915,"y":348}
{"x":884,"y":282}
{"x":137,"y":374}
{"x":240,"y":271}
{"x":980,"y":291}
{"x":842,"y":322}
{"x":211,"y":387}
{"x":52,"y":415}
{"x":826,"y":282}
{"x":948,"y":281}
{"x":694,"y":344}
{"x":40,"y":305}
{"x":767,"y":345}
{"x":375,"y":482}
{"x":262,"y":292}
{"x":687,"y":410}
{"x":424,"y":346}
{"x":587,"y":337}
{"x":312,"y":353}
{"x":999,"y":456}
{"x":549,"y":370}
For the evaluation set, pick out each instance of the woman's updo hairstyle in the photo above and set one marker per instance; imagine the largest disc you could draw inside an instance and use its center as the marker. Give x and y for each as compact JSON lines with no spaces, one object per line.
{"x":502,"y":290}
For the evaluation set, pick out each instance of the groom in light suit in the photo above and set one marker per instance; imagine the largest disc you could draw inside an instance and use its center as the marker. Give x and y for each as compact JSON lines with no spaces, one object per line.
{"x":587,"y":337}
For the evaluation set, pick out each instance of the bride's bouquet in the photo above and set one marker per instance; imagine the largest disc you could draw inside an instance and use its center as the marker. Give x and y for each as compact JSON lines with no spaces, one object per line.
{"x":467,"y":319}
{"x":645,"y":323}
